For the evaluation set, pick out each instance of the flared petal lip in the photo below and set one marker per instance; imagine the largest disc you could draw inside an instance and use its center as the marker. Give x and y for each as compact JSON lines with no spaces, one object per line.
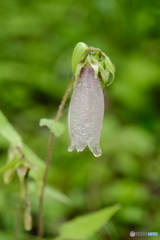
{"x":96,"y":150}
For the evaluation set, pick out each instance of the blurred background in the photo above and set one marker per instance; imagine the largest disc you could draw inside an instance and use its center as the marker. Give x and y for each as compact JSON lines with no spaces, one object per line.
{"x":36,"y":43}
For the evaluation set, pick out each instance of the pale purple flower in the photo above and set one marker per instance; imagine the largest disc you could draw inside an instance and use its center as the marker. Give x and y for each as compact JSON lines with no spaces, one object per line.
{"x":86,"y":113}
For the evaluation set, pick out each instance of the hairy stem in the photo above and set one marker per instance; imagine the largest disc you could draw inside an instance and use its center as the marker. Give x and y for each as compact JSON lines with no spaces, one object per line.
{"x":48,"y":160}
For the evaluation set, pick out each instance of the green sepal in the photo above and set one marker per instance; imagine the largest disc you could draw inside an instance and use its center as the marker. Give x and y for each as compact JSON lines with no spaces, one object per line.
{"x":84,"y":55}
{"x":104,"y":75}
{"x":10,"y":165}
{"x":107,"y":67}
{"x":95,"y":65}
{"x":14,"y":161}
{"x":79,"y":53}
{"x":78,"y":70}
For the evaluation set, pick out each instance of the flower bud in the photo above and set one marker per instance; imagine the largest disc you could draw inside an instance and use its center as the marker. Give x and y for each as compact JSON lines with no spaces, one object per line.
{"x":86,"y":112}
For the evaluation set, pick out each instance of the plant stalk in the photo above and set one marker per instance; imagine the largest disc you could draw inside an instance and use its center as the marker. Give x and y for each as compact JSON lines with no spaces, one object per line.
{"x":48,"y":160}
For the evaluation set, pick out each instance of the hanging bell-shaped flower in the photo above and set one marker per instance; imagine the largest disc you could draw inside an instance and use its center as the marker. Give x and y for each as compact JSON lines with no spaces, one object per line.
{"x":86,"y":113}
{"x":92,"y":70}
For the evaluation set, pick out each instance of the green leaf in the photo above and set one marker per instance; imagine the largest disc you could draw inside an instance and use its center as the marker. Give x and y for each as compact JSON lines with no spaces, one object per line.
{"x":79,"y":53}
{"x":50,"y":192}
{"x":8,"y":132}
{"x":85,"y":226}
{"x":54,"y":193}
{"x":55,"y":127}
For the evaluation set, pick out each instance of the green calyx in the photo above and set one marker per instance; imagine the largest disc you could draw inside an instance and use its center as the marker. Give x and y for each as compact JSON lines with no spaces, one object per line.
{"x":84,"y":55}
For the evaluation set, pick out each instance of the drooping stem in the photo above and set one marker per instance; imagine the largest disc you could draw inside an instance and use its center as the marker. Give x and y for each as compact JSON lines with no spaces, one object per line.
{"x":48,"y":160}
{"x":18,"y":218}
{"x":27,"y":212}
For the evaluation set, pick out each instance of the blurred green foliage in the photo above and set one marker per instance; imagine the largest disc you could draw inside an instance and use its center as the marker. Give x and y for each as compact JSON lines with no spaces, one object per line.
{"x":36,"y":42}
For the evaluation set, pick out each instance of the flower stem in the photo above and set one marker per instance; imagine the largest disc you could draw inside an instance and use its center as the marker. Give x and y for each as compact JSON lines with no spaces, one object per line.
{"x":17,"y":227}
{"x":48,"y":160}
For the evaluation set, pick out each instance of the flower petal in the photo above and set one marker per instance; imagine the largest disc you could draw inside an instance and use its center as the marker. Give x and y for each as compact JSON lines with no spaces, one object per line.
{"x":86,"y":113}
